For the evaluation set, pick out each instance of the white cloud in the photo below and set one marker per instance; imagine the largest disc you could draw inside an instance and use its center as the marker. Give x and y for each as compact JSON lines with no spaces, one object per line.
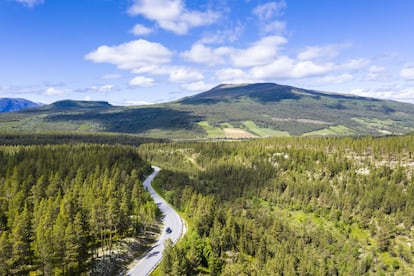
{"x":142,"y":82}
{"x":181,"y":75}
{"x":131,"y":55}
{"x":275,"y":27}
{"x":105,"y":88}
{"x":337,"y":79}
{"x":172,"y":15}
{"x":355,"y":64}
{"x":200,"y":53}
{"x":52,"y":91}
{"x":285,"y":67}
{"x":376,"y":73}
{"x":322,"y":52}
{"x":198,"y":86}
{"x":278,"y":68}
{"x":269,"y":10}
{"x":141,"y":30}
{"x":407,"y":72}
{"x":261,"y":52}
{"x":230,"y":74}
{"x":222,"y":36}
{"x":30,"y":3}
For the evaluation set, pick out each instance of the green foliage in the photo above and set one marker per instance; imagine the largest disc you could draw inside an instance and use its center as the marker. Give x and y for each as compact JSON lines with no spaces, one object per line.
{"x":60,"y":204}
{"x":291,"y":206}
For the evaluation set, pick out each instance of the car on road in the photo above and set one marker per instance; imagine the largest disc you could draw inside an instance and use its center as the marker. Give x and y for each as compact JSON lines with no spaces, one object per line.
{"x":168,"y":230}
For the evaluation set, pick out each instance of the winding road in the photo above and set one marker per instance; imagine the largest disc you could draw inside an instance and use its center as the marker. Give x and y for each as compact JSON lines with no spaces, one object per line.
{"x":170,"y":219}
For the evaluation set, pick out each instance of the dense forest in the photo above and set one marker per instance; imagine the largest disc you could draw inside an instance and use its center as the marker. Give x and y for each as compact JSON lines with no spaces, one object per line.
{"x":19,"y":139}
{"x":290,"y":206}
{"x":63,"y":208}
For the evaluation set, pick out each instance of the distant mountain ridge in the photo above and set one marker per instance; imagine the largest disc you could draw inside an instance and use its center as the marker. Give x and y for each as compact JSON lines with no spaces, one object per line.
{"x":227,"y":111}
{"x":15,"y":104}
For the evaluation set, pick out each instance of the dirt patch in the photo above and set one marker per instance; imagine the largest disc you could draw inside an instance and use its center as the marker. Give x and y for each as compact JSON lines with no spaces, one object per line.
{"x":236,"y":133}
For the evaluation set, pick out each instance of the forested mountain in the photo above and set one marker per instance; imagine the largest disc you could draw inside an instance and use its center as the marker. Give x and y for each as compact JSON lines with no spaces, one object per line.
{"x":290,"y":206}
{"x":67,"y":209}
{"x":226,"y":111}
{"x":15,"y":104}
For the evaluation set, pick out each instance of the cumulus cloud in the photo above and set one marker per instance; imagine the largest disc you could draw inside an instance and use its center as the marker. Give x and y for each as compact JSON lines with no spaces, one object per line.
{"x":181,"y":75}
{"x":200,"y":53}
{"x":172,"y":15}
{"x":141,"y":30}
{"x":261,"y":52}
{"x":407,"y":72}
{"x":30,"y":3}
{"x":131,"y":55}
{"x":285,"y":67}
{"x":142,"y":81}
{"x":269,"y":10}
{"x":53,"y":91}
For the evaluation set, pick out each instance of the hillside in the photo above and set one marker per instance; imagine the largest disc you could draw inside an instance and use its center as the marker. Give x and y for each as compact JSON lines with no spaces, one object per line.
{"x":15,"y":104}
{"x":290,"y":206}
{"x":226,"y":111}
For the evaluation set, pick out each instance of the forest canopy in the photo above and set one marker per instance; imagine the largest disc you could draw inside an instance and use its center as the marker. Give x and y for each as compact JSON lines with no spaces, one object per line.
{"x":291,"y":206}
{"x":62,"y":207}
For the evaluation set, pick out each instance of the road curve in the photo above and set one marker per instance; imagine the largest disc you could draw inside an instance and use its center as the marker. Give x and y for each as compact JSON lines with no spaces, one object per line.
{"x":170,"y":219}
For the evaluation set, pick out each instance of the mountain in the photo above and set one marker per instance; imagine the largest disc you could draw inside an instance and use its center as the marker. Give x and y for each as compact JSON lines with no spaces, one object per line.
{"x":227,"y":111}
{"x":15,"y":104}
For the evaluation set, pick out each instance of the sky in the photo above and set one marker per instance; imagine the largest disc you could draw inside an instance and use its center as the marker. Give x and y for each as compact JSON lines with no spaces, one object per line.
{"x":130,"y":52}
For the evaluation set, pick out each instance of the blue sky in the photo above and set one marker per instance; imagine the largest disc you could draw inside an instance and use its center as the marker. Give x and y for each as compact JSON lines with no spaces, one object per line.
{"x":149,"y":51}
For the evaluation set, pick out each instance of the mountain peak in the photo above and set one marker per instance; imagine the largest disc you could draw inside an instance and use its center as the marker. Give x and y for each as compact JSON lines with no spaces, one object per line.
{"x":15,"y":104}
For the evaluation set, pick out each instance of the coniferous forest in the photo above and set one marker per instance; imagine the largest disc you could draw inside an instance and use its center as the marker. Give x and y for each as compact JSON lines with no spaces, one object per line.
{"x":277,"y":206}
{"x":64,"y":207}
{"x":291,"y":206}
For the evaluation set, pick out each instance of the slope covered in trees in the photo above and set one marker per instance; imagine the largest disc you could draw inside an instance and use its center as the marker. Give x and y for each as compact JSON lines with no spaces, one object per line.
{"x":291,"y":206}
{"x":62,"y":207}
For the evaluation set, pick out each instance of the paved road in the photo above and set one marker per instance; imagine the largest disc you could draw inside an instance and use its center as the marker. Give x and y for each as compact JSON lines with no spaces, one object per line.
{"x":171,"y":219}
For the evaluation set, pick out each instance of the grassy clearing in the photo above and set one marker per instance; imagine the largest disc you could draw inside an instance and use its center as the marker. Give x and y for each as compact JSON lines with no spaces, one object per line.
{"x":212,"y":132}
{"x":264,"y":132}
{"x":331,"y":131}
{"x":237,"y":133}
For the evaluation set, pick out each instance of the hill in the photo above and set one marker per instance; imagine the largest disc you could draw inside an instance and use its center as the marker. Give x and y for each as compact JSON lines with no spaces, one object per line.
{"x":15,"y":104}
{"x":227,"y":111}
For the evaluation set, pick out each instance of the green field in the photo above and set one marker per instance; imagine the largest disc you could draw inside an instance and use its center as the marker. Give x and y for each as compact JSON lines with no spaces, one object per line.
{"x":264,"y":132}
{"x":212,"y":132}
{"x":331,"y":131}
